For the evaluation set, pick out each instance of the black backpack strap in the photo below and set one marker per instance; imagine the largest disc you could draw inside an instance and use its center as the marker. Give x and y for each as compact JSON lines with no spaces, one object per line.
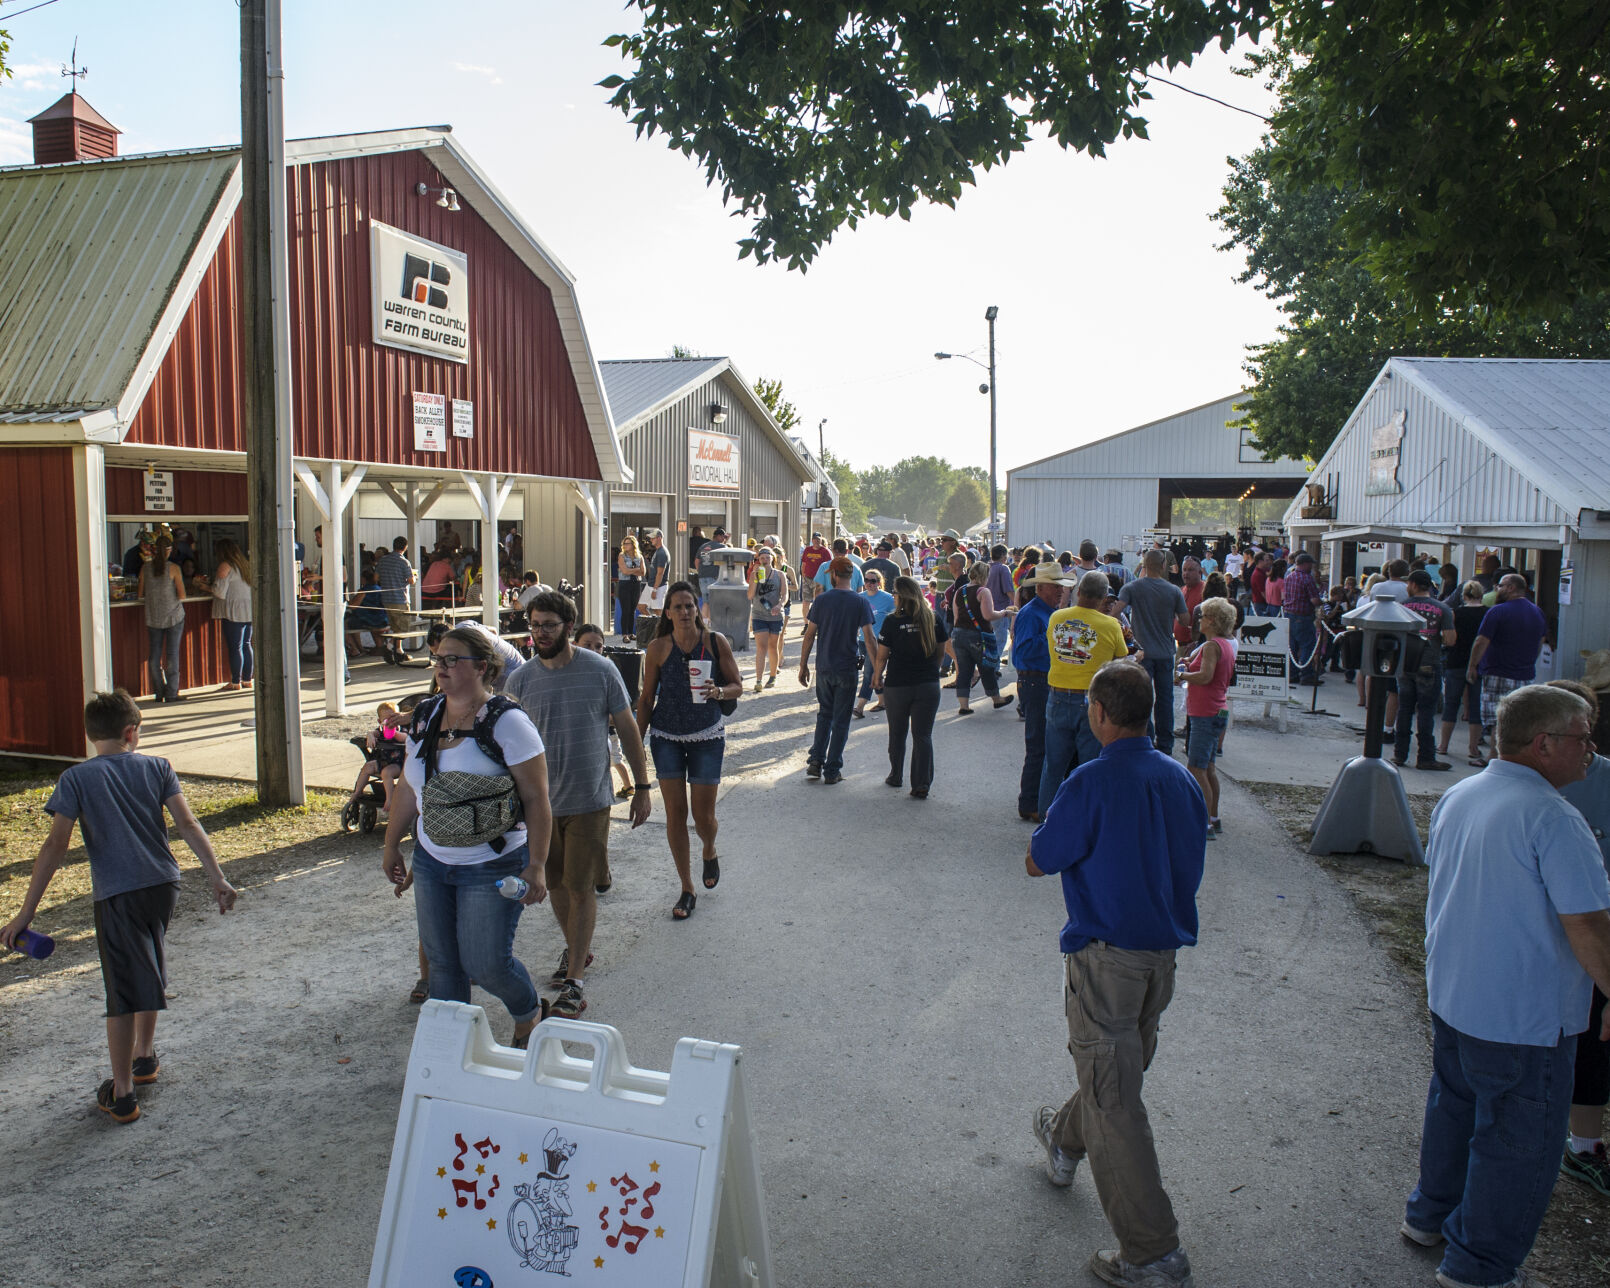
{"x":426,"y":729}
{"x":496,"y":705}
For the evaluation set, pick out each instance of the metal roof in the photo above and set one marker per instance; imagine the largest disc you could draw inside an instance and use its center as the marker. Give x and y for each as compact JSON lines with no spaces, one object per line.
{"x":637,"y":388}
{"x":1549,"y":418}
{"x":91,"y":257}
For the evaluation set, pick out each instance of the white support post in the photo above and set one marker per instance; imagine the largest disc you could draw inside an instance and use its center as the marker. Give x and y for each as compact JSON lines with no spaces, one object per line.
{"x":95,"y":599}
{"x":335,"y":600}
{"x":411,"y":514}
{"x":597,"y":575}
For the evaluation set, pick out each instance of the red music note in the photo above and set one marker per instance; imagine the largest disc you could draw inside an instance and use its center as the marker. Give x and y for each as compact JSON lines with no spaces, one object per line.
{"x":485,"y":1147}
{"x":648,"y":1202}
{"x":633,"y":1234}
{"x":463,"y":1149}
{"x":461,"y":1188}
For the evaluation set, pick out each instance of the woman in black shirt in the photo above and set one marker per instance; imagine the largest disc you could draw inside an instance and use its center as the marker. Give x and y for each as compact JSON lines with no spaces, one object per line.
{"x":1467,"y":620}
{"x":906,"y":672}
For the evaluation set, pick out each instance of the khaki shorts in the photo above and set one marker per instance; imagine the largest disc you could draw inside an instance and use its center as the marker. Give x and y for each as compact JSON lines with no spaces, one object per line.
{"x":578,"y":852}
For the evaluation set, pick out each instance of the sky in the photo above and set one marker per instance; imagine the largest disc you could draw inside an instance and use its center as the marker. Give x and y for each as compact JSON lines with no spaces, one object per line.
{"x":1115,"y":307}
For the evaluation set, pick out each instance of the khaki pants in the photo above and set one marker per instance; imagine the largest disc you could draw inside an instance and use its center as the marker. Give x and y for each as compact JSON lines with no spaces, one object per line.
{"x":1114,"y":998}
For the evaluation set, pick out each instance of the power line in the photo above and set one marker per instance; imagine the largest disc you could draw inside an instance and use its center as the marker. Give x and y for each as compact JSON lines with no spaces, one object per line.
{"x":1199,"y":94}
{"x":19,"y":12}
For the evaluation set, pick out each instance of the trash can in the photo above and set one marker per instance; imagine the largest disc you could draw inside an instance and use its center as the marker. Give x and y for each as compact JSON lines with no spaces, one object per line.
{"x":628,"y":660}
{"x":727,"y":597}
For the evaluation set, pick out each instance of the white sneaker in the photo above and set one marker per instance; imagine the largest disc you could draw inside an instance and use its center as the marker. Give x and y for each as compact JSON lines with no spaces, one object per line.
{"x":1521,"y":1280}
{"x":1059,"y":1168}
{"x":1425,"y":1238}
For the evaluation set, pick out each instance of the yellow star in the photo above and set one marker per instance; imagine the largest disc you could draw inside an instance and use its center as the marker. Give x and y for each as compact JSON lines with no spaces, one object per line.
{"x":491,"y":1224}
{"x":480,"y":1169}
{"x":441,"y":1171}
{"x":522,"y":1158}
{"x":659,"y":1232}
{"x":598,"y":1263}
{"x":653,"y":1167}
{"x":592,"y":1187}
{"x":441,"y":1213}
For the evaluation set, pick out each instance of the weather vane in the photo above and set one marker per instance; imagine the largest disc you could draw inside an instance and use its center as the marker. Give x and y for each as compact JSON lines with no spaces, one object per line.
{"x":75,"y":71}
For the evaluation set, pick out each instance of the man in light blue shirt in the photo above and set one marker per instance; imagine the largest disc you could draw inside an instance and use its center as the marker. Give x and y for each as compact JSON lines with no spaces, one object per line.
{"x":1517,"y":930}
{"x":841,"y":549}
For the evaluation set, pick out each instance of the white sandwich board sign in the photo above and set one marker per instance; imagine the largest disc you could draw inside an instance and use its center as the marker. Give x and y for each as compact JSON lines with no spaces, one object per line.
{"x":520,"y":1169}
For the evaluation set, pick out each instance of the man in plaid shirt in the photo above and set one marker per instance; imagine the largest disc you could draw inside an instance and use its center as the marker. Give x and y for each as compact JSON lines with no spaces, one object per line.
{"x":395,"y":575}
{"x":1302,"y":599}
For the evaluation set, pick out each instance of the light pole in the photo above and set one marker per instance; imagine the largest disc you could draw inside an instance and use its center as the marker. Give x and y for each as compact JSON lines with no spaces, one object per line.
{"x":989,"y":316}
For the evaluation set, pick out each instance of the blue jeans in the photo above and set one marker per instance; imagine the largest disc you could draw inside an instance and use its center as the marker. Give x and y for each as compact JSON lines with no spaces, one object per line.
{"x":1490,"y":1149}
{"x":699,"y":762}
{"x":163,"y":661}
{"x":1418,"y":696}
{"x":1031,"y":692}
{"x":1003,"y":633}
{"x":835,"y":696}
{"x":969,"y":646}
{"x":1069,"y":741}
{"x":238,"y":640}
{"x":1161,"y":725}
{"x":1303,"y":636}
{"x":467,"y":929}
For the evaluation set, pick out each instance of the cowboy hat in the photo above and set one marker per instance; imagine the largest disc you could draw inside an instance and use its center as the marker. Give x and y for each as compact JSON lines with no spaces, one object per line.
{"x":1049,"y":574}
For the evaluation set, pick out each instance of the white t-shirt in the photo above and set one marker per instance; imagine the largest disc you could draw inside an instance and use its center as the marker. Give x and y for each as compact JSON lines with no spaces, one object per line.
{"x":1232,"y":564}
{"x":520,"y":742}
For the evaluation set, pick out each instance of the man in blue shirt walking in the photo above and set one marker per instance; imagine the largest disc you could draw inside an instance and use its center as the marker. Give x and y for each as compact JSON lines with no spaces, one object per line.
{"x":1128,"y":833}
{"x":836,"y":618}
{"x":1517,"y":932}
{"x":1031,"y":659}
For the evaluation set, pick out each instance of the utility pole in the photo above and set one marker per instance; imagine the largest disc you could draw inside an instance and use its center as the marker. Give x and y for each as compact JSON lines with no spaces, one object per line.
{"x":989,"y":316}
{"x":265,"y":351}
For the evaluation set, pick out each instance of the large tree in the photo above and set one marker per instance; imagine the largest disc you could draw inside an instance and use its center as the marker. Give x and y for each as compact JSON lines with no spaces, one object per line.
{"x":852,"y":509}
{"x":966,"y":505}
{"x":1471,"y":133}
{"x":1342,"y":323}
{"x":770,"y":392}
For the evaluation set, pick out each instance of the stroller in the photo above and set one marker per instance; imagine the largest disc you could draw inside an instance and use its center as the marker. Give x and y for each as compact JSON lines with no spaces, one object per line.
{"x":364,"y":812}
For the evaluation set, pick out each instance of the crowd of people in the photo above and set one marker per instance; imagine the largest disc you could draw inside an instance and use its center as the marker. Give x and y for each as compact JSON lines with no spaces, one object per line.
{"x":504,"y":774}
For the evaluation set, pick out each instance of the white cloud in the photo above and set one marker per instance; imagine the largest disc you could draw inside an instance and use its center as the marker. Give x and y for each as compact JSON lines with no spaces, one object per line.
{"x":489,"y":74}
{"x":37,"y":76}
{"x":16,"y":142}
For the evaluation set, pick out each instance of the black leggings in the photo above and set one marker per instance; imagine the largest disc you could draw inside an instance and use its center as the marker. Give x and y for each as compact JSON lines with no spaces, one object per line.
{"x":1592,"y":1085}
{"x":629,"y":590}
{"x":913,"y":706}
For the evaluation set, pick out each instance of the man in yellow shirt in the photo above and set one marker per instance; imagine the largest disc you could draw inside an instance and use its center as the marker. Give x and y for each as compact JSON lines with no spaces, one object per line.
{"x":1082,"y":640}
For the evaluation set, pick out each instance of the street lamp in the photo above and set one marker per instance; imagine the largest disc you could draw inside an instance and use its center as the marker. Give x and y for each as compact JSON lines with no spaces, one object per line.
{"x":990,"y":315}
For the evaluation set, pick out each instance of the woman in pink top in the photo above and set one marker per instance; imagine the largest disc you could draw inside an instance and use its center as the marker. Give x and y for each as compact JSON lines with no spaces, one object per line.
{"x":1274,"y":588}
{"x":1206,"y":675}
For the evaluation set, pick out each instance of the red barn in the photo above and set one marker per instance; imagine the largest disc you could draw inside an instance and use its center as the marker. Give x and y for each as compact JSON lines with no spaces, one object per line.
{"x":439,"y":368}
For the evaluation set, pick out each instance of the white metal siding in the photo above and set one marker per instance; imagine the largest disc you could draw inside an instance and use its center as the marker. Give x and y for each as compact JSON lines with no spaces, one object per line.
{"x":1069,"y":510}
{"x":1585,"y":621}
{"x":1195,"y":444}
{"x":1447,"y":475}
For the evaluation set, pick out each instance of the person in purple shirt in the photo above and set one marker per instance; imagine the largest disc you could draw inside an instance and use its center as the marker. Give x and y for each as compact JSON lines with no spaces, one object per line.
{"x":1504,"y":656}
{"x":1127,"y":831}
{"x":998,"y":582}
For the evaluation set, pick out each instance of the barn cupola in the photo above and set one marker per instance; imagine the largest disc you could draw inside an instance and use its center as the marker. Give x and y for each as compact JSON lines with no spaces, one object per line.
{"x":71,"y":130}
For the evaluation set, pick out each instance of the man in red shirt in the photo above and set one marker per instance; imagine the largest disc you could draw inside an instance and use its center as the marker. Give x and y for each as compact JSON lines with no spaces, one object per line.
{"x":811,"y":558}
{"x":1191,"y":586}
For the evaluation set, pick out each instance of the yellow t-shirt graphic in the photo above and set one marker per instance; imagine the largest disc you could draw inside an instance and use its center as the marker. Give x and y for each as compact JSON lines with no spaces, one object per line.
{"x":1082,"y":641}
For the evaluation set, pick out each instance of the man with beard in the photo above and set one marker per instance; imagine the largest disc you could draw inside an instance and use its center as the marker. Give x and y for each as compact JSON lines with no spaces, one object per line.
{"x":574,"y":696}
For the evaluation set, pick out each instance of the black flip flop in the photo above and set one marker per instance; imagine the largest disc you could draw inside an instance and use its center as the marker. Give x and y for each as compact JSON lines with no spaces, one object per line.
{"x":420,"y":991}
{"x":684,"y":906}
{"x":712,"y":873}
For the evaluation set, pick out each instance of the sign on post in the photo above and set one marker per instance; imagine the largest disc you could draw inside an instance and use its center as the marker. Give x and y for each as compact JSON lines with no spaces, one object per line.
{"x":1260,"y":659}
{"x":509,"y":1166}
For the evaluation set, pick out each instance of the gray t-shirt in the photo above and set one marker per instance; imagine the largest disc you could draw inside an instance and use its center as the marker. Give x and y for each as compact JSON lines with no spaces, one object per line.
{"x":659,"y":568}
{"x":1153,"y":605}
{"x":117,"y":802}
{"x":571,"y":706}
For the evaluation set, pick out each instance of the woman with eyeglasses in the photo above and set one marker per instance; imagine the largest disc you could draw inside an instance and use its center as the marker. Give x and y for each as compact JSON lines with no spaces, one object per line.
{"x":686,"y":731}
{"x":466,"y":925}
{"x":629,"y":568}
{"x":768,"y":603}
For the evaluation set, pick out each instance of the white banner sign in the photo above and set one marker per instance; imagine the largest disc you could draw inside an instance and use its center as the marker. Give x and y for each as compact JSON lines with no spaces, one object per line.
{"x":713,"y":460}
{"x":1260,"y":659}
{"x":159,"y":491}
{"x":420,"y":294}
{"x":430,"y":422}
{"x":463,"y":418}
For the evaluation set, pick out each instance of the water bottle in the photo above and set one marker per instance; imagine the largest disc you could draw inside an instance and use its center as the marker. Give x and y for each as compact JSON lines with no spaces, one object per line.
{"x":35,"y":945}
{"x":512,"y":888}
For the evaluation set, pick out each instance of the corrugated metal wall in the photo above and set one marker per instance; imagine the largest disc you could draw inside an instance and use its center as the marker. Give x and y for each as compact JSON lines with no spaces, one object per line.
{"x":1196,"y":443}
{"x":1447,"y":475}
{"x":352,"y":398}
{"x":657,"y":453}
{"x":1069,"y":510}
{"x":195,"y":492}
{"x":41,"y":680}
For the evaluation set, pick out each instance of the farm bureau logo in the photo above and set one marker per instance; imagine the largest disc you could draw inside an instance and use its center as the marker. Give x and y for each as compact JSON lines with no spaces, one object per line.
{"x":424,"y":281}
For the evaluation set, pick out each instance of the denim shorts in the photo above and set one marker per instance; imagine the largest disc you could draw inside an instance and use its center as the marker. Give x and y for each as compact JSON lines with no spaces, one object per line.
{"x":698,"y":762}
{"x":1202,"y":738}
{"x":767,"y":628}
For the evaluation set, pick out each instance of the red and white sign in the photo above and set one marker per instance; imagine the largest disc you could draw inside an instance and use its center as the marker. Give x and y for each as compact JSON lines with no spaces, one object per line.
{"x":713,"y":460}
{"x":430,"y":422}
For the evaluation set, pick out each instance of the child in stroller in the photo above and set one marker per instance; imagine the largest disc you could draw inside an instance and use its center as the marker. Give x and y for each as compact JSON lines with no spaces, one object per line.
{"x":384,"y":749}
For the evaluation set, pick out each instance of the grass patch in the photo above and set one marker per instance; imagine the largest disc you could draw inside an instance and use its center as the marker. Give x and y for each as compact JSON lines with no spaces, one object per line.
{"x":253,"y":842}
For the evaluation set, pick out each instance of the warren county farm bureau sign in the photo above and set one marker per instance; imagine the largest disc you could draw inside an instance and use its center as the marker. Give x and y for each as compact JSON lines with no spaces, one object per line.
{"x":420,"y":294}
{"x":713,"y":460}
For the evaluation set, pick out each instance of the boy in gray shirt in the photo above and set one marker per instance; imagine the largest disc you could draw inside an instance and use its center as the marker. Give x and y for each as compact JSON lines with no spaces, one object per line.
{"x":1155,"y":604}
{"x":117,"y":798}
